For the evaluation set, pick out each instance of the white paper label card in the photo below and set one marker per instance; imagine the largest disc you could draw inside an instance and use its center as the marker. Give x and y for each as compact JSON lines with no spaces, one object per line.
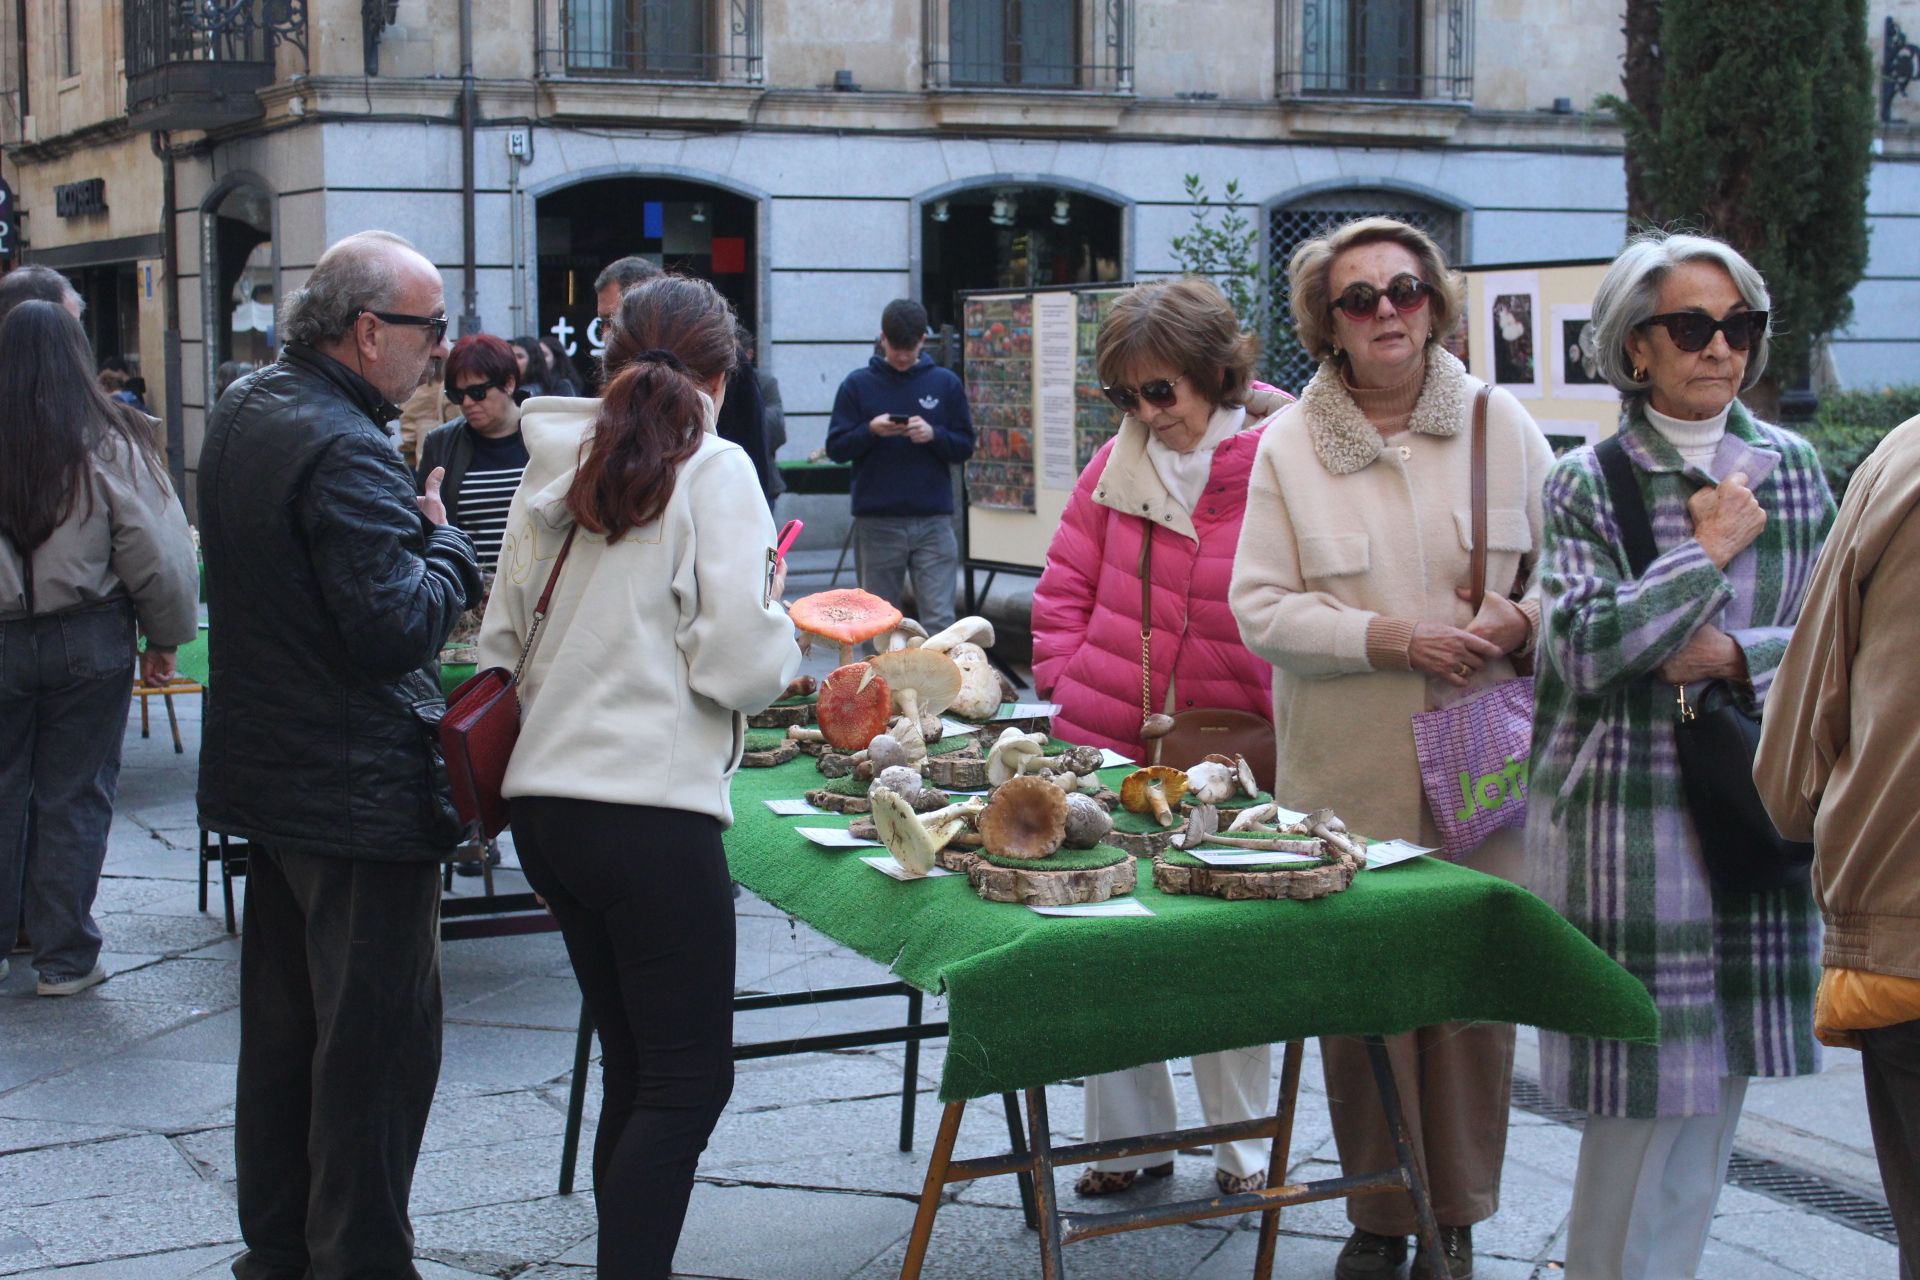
{"x":1111,"y":759}
{"x":888,"y":867}
{"x":957,"y":728}
{"x":1028,"y":710}
{"x":1392,"y":852}
{"x":792,"y":808}
{"x":1283,"y":815}
{"x":836,"y":838}
{"x":1112,"y":907}
{"x":1252,"y":858}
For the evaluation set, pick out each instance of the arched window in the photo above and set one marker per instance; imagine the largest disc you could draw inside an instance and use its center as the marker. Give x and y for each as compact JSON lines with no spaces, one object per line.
{"x":1291,"y":224}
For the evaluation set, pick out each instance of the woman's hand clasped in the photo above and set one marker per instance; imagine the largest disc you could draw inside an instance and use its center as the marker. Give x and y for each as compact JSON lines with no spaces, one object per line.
{"x":1498,"y":619}
{"x":1448,"y":653}
{"x":1710,"y":654}
{"x":1726,"y":519}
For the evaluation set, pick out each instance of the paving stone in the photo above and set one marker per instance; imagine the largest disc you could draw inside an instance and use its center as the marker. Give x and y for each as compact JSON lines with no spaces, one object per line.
{"x":1233,"y":1260}
{"x":214,"y":1038}
{"x":176,"y":1264}
{"x":185,"y":901}
{"x":1808,"y":1244}
{"x":141,"y":1093}
{"x":970,"y":1243}
{"x":1534,"y":1203}
{"x":494,"y":1238}
{"x":204,"y":984}
{"x":125,"y":893}
{"x":797,"y":1235}
{"x":161,"y":859}
{"x":505,"y":1173}
{"x":488,"y":1119}
{"x":212,"y":1150}
{"x":117,"y":1167}
{"x":431,"y":1270}
{"x":122,"y":1226}
{"x":502,"y":1057}
{"x":552,"y":1003}
{"x":162,"y":935}
{"x":225,"y":947}
{"x":772,"y":1083}
{"x":30,"y":1135}
{"x":80,"y":1028}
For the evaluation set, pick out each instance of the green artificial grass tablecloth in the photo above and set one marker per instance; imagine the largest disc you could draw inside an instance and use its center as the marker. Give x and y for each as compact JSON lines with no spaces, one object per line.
{"x":1033,"y":1000}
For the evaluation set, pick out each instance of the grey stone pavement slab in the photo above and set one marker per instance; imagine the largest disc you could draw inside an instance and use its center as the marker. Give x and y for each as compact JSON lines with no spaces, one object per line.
{"x":116,"y":1140}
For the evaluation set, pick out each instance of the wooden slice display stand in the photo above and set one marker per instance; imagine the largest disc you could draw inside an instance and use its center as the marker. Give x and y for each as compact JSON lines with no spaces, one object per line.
{"x":770,"y":757}
{"x":838,"y":802}
{"x":1297,"y":884}
{"x":1141,"y":844}
{"x":958,"y":771}
{"x":1036,"y":886}
{"x":783,"y":716}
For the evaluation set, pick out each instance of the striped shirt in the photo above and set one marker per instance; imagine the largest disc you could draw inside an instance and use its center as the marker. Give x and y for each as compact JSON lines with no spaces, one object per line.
{"x":485,"y":491}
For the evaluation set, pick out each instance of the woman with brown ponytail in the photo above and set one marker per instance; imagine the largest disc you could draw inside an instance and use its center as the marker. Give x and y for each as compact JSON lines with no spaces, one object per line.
{"x":664,"y":629}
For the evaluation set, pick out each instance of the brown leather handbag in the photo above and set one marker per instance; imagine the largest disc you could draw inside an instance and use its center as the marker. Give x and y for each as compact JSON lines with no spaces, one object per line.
{"x":1203,"y":731}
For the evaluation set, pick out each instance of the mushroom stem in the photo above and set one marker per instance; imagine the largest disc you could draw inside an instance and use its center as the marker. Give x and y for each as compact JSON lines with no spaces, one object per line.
{"x":1275,"y":844}
{"x":1158,"y":799}
{"x":846,"y":653}
{"x":800,"y":733}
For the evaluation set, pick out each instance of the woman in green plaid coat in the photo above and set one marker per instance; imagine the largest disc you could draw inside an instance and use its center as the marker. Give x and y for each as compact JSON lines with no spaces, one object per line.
{"x":1738,"y":509}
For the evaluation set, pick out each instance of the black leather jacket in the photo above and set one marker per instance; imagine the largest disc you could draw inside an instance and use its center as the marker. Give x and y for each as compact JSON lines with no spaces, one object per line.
{"x":328,"y":597}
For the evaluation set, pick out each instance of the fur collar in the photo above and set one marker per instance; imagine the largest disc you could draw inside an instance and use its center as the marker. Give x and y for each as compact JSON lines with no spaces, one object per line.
{"x":1343,"y":439}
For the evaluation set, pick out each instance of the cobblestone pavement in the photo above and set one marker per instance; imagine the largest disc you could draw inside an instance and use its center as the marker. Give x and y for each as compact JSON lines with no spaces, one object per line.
{"x":116,"y":1153}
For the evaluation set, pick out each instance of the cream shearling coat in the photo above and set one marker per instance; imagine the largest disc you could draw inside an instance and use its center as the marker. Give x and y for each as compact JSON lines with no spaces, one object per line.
{"x":654,"y":646}
{"x":1342,"y":530}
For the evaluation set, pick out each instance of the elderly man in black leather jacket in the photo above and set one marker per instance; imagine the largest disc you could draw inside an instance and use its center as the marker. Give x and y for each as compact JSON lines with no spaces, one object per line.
{"x":330,"y":588}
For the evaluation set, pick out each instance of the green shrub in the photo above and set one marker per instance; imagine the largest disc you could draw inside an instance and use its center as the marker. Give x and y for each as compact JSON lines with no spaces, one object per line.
{"x":1849,"y":425}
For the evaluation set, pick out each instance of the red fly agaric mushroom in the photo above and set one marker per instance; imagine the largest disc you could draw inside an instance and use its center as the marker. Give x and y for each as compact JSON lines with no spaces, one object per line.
{"x":1025,"y":819}
{"x":848,"y":617}
{"x":923,"y":683}
{"x":853,"y":706}
{"x":1156,"y":789}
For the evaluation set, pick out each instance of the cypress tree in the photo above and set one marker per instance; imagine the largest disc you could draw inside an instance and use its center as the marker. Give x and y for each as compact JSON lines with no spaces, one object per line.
{"x":1762,"y":135}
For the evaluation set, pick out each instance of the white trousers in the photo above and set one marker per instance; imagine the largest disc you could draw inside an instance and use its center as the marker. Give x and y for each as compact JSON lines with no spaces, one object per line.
{"x":1644,"y":1194}
{"x":1234,"y":1085}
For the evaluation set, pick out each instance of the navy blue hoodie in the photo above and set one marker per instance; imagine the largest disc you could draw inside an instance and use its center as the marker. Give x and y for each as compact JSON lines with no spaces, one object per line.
{"x":893,"y":476}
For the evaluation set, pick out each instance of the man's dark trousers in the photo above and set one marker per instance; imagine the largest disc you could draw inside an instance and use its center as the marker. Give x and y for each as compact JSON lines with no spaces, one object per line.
{"x":339,"y":1055}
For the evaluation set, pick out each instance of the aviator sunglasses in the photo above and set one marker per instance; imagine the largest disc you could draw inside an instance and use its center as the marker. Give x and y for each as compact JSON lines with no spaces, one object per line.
{"x":1159,"y":393}
{"x":476,"y":392}
{"x":1361,"y":300}
{"x":1691,"y":331}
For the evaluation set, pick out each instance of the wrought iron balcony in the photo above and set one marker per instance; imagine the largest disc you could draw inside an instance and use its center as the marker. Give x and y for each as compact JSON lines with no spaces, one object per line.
{"x":197,"y":64}
{"x":1418,"y":49}
{"x":710,"y":41}
{"x":1029,"y":44}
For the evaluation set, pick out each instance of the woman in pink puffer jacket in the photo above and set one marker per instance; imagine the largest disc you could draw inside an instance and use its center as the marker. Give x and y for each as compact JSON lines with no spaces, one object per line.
{"x":1176,"y":362}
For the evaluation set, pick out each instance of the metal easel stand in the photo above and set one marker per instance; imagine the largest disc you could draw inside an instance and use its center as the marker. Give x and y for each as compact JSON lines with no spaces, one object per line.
{"x":1058,"y":1228}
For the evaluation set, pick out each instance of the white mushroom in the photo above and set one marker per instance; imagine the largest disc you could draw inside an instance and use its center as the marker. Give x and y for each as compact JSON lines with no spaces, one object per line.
{"x":1254,"y":816}
{"x":905,"y":632}
{"x":1244,"y":772}
{"x":903,"y":780}
{"x":968,"y":630}
{"x":906,"y":732}
{"x":913,"y":839}
{"x":1212,"y":783}
{"x":1012,"y":751}
{"x":979,"y":683}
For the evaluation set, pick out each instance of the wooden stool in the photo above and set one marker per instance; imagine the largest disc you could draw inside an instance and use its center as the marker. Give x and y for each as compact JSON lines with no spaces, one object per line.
{"x":145,"y":691}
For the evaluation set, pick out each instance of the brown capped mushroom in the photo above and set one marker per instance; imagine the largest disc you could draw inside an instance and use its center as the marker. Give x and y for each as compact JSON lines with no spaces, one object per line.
{"x":1025,"y":818}
{"x":1156,"y":789}
{"x":1156,"y":727}
{"x":1087,"y":823}
{"x":1082,"y":760}
{"x":800,"y":687}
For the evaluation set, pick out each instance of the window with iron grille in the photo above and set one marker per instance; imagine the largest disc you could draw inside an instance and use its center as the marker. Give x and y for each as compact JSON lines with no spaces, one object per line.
{"x":1376,"y":49}
{"x":669,"y":39}
{"x":1293,"y":224}
{"x":1029,"y":44}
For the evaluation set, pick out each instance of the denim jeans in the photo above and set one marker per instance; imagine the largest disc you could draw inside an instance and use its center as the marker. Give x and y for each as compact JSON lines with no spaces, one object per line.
{"x":888,"y":548}
{"x":66,"y":680}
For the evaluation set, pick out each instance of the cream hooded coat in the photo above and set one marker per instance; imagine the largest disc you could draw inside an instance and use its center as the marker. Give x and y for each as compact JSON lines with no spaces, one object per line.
{"x":656,"y":646}
{"x":1347,"y":543}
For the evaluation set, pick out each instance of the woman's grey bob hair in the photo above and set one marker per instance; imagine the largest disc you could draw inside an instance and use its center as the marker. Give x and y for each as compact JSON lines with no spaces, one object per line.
{"x":1629,"y":295}
{"x":359,"y":273}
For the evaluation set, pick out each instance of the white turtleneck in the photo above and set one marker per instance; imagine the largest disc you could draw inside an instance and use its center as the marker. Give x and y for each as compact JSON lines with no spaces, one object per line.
{"x":1185,"y":474}
{"x":1696,"y":441}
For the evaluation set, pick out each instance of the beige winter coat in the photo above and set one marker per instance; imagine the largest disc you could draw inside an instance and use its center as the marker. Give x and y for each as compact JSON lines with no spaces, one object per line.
{"x":1349,"y":541}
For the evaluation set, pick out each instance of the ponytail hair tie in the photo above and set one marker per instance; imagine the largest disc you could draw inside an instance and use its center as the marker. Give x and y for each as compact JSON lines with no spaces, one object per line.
{"x":659,"y":355}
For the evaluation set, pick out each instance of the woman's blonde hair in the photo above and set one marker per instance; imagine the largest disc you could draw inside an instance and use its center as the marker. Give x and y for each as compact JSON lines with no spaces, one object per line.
{"x":1310,"y":269}
{"x":1185,"y":324}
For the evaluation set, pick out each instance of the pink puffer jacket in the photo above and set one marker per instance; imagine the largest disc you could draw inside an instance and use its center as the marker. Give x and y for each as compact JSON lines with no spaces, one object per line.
{"x":1086,"y":609}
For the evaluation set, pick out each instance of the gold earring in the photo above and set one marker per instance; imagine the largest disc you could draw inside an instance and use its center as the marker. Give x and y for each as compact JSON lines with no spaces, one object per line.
{"x":1639,"y":374}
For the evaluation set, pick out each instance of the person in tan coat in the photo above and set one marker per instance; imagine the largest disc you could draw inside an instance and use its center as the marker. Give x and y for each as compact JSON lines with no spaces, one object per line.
{"x":1839,"y":764}
{"x":1350,"y":579}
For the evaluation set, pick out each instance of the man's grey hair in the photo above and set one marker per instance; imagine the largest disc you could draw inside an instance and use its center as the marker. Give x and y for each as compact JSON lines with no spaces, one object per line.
{"x":626,"y":272}
{"x":359,"y":273}
{"x":1630,"y":294}
{"x":35,"y":283}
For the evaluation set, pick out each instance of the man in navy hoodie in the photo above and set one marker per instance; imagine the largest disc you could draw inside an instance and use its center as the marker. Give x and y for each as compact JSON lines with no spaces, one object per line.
{"x":903,"y":422}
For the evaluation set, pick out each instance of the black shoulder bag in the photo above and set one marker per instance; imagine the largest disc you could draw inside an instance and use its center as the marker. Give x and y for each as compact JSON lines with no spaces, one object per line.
{"x":1715,"y":737}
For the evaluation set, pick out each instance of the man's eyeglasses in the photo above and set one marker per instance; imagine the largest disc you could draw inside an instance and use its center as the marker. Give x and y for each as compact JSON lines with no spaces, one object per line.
{"x":1362,"y":300}
{"x":476,"y":392}
{"x":435,"y":325}
{"x":1692,"y":330}
{"x":1159,"y":393}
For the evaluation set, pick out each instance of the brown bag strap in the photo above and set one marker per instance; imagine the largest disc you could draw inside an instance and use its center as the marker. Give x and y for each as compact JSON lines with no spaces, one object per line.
{"x":540,"y":608}
{"x":1479,"y":576}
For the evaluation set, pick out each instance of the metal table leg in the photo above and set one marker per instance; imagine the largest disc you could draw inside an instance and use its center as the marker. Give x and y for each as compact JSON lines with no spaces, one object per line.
{"x":576,"y":1101}
{"x":1017,"y":1139}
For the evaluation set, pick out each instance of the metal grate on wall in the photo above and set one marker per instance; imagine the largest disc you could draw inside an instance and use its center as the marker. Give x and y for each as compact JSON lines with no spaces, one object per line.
{"x":1291,"y":225}
{"x":1796,"y":1187}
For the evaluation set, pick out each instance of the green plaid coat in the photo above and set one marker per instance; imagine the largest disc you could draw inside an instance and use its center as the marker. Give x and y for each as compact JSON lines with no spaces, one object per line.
{"x":1610,"y":841}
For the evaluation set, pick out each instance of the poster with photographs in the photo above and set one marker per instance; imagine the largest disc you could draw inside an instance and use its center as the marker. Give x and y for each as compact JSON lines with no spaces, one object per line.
{"x":1095,"y":420}
{"x":1510,"y":331}
{"x":1576,"y":367}
{"x":999,"y":378}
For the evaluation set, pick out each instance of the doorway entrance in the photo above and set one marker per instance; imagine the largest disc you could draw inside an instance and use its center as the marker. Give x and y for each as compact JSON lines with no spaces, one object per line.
{"x":1013,"y":237}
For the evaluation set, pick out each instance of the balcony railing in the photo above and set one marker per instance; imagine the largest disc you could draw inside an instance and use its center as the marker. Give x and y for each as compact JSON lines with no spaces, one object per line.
{"x":1420,"y":49}
{"x":713,"y":41}
{"x":197,"y":64}
{"x":1029,"y":44}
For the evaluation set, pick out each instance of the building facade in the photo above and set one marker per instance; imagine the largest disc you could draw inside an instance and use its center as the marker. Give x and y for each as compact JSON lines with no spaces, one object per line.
{"x":813,"y":159}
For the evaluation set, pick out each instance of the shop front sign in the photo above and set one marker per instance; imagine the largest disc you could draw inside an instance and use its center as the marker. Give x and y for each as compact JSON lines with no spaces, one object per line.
{"x":80,"y":199}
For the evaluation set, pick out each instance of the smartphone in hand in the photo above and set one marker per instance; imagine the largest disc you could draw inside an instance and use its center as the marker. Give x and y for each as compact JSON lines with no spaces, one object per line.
{"x":899,"y":419}
{"x":789,"y":533}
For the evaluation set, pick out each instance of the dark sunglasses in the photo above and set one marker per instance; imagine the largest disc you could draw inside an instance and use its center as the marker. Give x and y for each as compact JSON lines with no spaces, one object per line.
{"x":476,"y":393}
{"x":1692,"y":330}
{"x":1362,"y":300}
{"x":1159,"y":393}
{"x":436,"y":325}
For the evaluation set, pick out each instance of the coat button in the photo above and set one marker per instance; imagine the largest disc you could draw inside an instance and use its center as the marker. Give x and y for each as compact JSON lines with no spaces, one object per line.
{"x":1405,"y":453}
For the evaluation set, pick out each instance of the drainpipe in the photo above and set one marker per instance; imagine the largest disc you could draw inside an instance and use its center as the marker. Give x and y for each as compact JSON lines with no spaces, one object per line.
{"x":470,"y":307}
{"x":170,"y":271}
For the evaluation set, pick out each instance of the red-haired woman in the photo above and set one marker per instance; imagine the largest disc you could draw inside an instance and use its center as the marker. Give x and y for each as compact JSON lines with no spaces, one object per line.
{"x":664,"y":628}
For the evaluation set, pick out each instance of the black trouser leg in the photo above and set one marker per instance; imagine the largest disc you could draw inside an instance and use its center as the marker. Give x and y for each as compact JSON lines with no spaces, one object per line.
{"x":1891,"y":1062}
{"x":644,"y":901}
{"x":346,"y":1066}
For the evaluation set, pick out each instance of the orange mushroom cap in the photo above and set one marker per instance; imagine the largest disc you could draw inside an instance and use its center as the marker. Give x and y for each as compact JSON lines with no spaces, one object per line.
{"x":853,"y":706}
{"x":846,"y":616}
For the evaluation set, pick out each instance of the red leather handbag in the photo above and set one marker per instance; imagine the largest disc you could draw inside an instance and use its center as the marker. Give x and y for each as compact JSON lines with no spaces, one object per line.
{"x":483,"y":722}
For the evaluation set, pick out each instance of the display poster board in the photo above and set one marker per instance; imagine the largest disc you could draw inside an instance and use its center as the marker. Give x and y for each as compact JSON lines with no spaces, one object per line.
{"x":1528,"y":328}
{"x":1038,"y":413}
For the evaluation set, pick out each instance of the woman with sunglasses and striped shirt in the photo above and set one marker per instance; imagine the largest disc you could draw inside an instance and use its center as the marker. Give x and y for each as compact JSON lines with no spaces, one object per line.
{"x":1738,"y":511}
{"x":1351,"y":580}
